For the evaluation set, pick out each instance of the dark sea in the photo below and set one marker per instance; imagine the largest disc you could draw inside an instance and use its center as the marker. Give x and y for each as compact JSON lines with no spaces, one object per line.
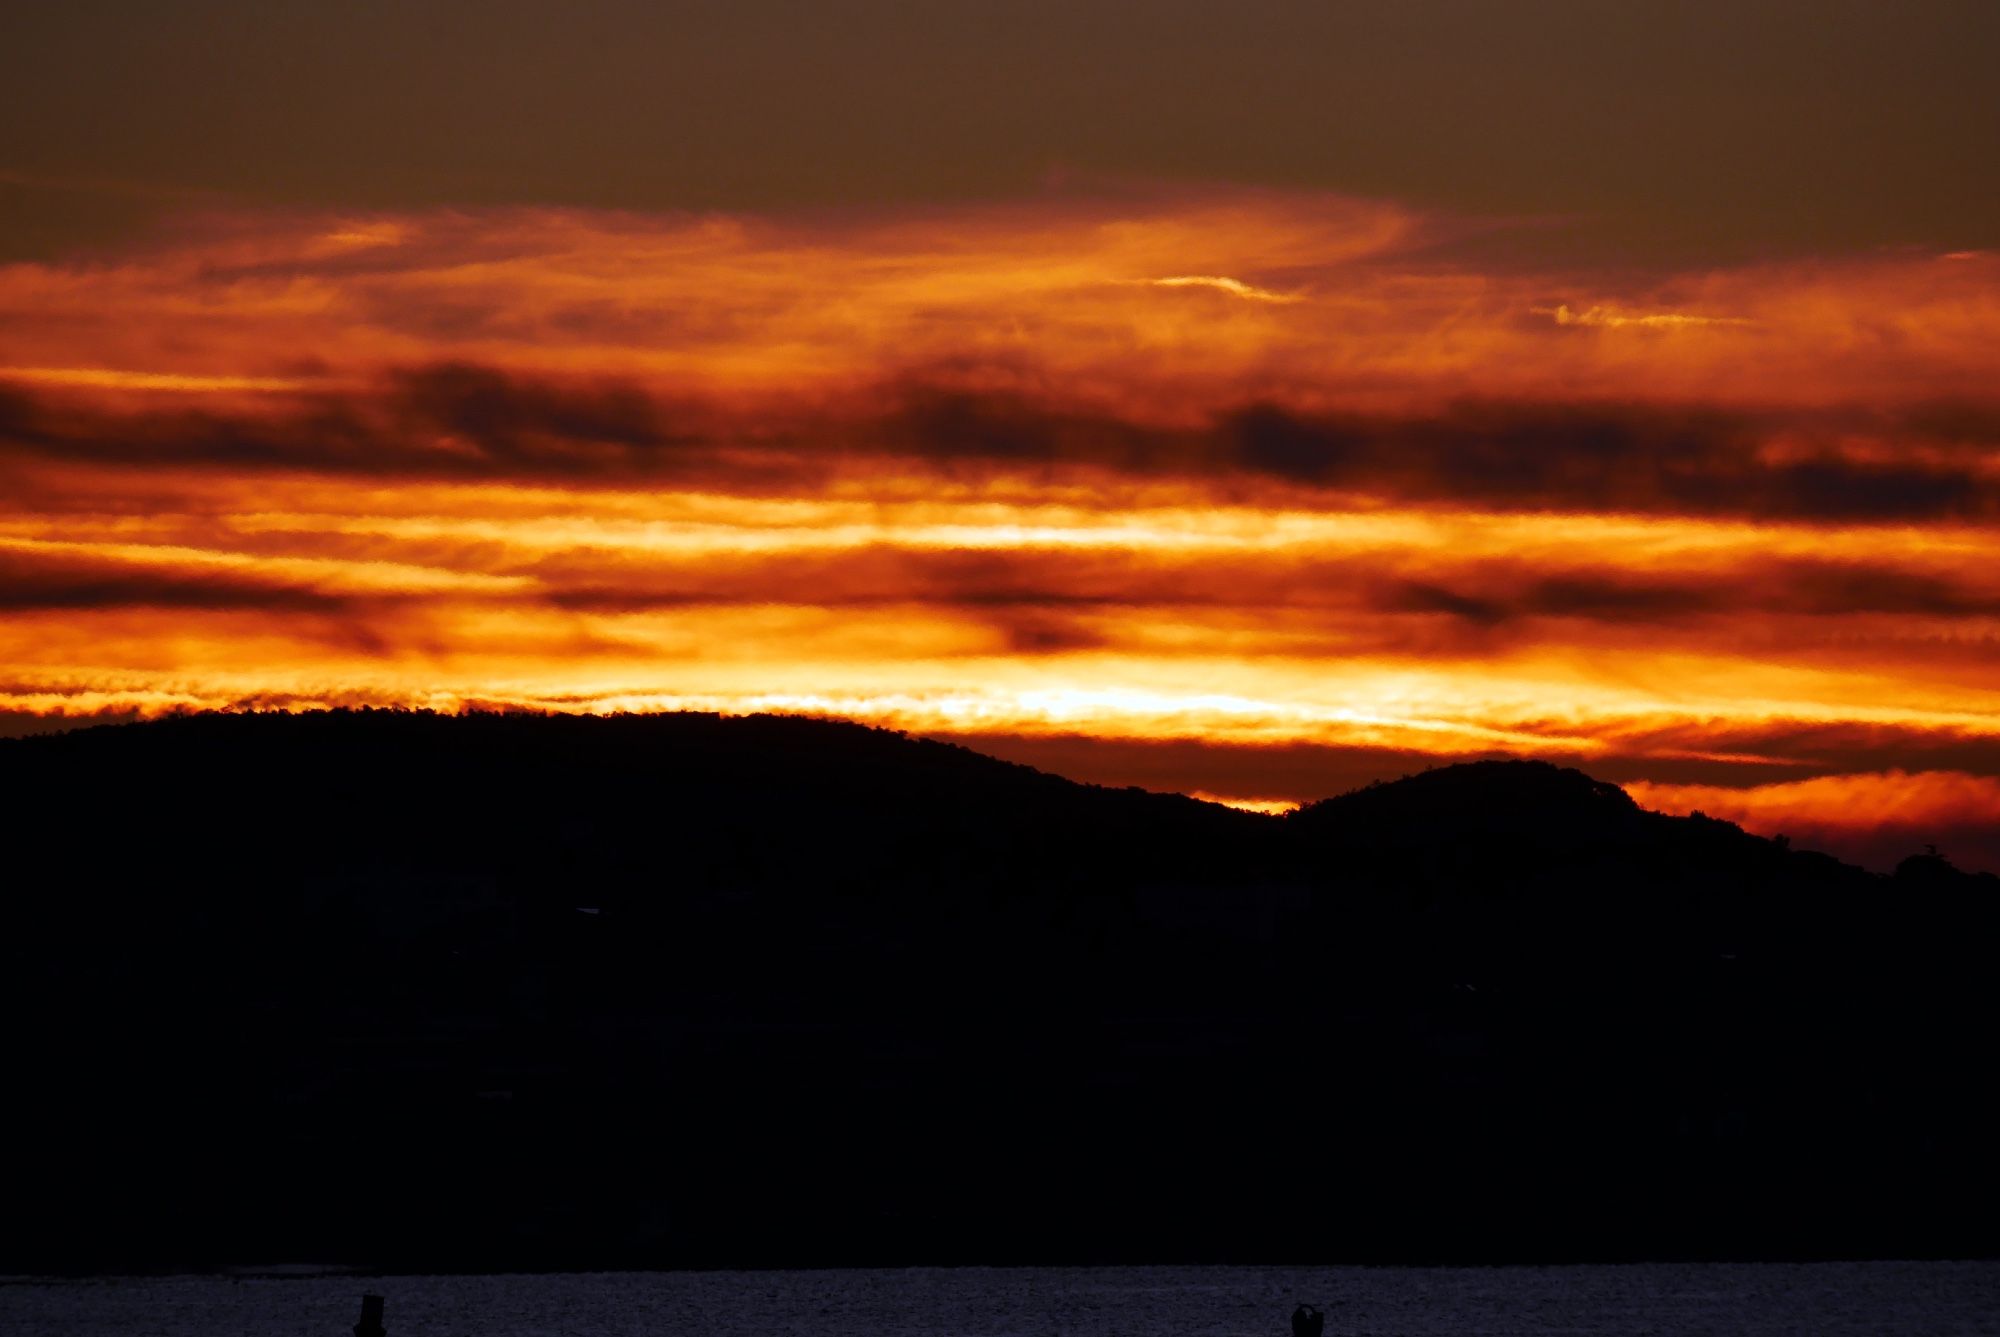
{"x":1744,"y":1300}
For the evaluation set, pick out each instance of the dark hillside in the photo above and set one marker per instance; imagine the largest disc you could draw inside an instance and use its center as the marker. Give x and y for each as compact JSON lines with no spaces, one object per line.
{"x":498,"y":990}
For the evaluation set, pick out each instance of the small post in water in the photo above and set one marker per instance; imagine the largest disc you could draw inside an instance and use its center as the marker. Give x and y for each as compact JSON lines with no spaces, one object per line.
{"x":371,"y":1318}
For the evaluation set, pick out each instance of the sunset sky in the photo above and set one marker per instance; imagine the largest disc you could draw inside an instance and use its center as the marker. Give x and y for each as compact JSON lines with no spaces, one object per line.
{"x":1247,"y":400}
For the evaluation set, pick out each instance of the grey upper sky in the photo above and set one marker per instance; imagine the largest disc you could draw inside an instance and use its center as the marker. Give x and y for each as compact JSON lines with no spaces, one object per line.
{"x":1698,"y":128}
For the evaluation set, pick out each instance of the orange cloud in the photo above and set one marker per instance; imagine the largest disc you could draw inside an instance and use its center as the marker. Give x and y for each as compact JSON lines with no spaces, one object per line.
{"x":1887,"y":798}
{"x":1122,"y":297}
{"x":1238,"y":470}
{"x":1876,"y":816}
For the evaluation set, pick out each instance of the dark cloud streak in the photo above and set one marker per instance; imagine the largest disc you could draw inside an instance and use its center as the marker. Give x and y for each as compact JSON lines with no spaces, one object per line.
{"x":39,"y":583}
{"x":460,"y":421}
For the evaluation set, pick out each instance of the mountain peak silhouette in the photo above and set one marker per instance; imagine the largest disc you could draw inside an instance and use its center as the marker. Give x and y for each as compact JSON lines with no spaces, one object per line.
{"x":1488,"y":804}
{"x":1511,"y":786}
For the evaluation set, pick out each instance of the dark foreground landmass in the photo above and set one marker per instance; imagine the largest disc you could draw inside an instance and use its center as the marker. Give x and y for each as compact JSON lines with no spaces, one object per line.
{"x":498,"y":991}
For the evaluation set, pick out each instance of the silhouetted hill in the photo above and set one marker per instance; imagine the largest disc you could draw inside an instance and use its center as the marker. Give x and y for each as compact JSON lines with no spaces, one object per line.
{"x":1521,"y":804}
{"x":506,"y":990}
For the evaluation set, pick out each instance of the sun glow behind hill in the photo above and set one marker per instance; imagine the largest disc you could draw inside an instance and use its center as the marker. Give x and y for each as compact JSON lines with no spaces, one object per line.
{"x":1217,"y":474}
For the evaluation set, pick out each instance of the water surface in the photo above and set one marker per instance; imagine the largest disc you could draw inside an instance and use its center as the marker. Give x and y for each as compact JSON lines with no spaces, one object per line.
{"x":1743,"y":1300}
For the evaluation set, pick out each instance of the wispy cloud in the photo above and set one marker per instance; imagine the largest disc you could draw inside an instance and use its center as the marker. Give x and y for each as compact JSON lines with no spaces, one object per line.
{"x":111,"y":378}
{"x":1611,"y":319}
{"x":1221,"y":283}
